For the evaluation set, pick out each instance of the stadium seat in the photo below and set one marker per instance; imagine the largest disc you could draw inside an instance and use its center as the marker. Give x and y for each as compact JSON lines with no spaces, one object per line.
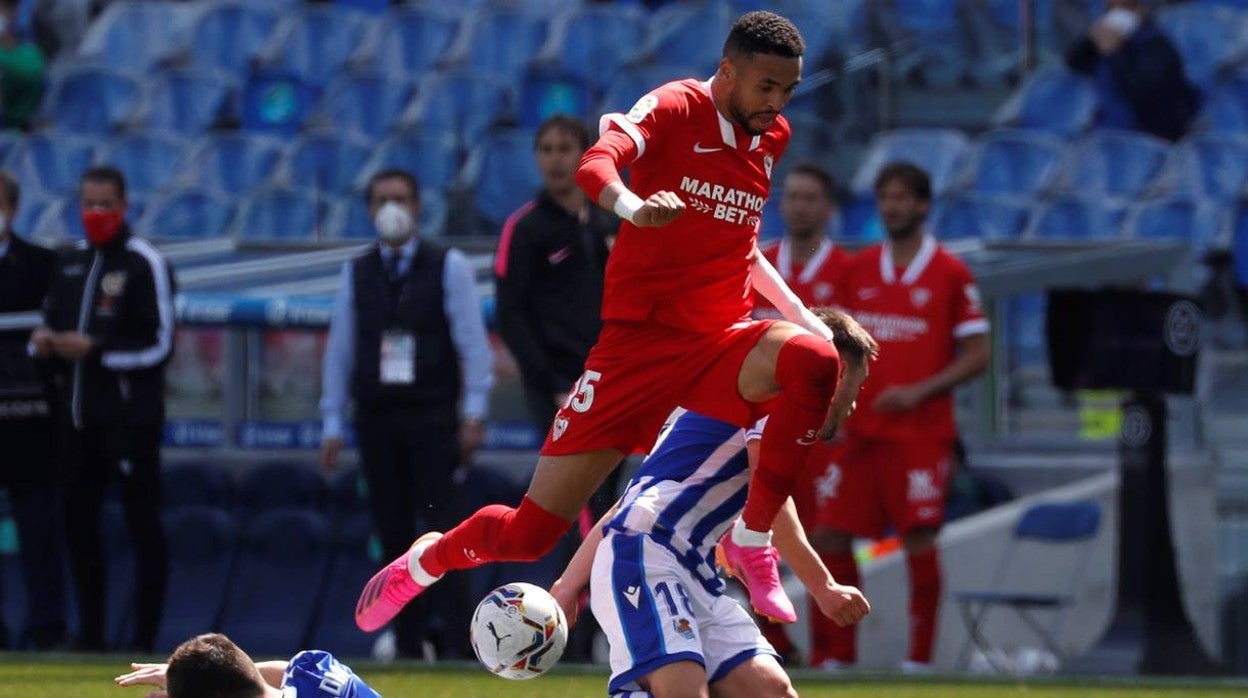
{"x":188,"y":214}
{"x":832,"y":31}
{"x":413,"y":40}
{"x":1015,"y":163}
{"x":92,"y":100}
{"x":1226,"y":108}
{"x":942,"y":152}
{"x":1202,"y":224}
{"x":1210,"y":39}
{"x":544,"y":94}
{"x":229,"y":35}
{"x":634,"y":82}
{"x":1052,"y":99}
{"x":1210,"y":165}
{"x":364,"y":104}
{"x":52,"y":163}
{"x":234,"y":164}
{"x":277,"y":582}
{"x":1239,"y":246}
{"x":276,"y":102}
{"x":203,"y":541}
{"x":592,"y":42}
{"x":280,"y":215}
{"x":1074,"y":217}
{"x":195,"y":484}
{"x":350,"y":569}
{"x":30,"y":212}
{"x":934,"y":45}
{"x":502,"y":174}
{"x":462,"y":103}
{"x":135,"y":35}
{"x":686,"y":34}
{"x":325,"y":162}
{"x":996,"y":27}
{"x":188,"y":102}
{"x":351,"y":221}
{"x":499,"y":41}
{"x":982,"y":217}
{"x":10,"y":143}
{"x":1114,"y":163}
{"x":149,"y":160}
{"x":280,"y":484}
{"x":431,"y":156}
{"x":315,"y":42}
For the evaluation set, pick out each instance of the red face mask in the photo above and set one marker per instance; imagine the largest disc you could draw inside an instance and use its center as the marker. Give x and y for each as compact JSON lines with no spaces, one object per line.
{"x":102,"y":225}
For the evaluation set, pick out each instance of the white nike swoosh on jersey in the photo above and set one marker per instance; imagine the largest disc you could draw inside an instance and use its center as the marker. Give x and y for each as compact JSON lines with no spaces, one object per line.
{"x":697,"y":148}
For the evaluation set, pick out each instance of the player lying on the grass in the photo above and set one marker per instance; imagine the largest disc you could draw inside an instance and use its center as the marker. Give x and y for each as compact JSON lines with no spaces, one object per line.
{"x":676,"y":328}
{"x":212,"y":666}
{"x":650,"y":567}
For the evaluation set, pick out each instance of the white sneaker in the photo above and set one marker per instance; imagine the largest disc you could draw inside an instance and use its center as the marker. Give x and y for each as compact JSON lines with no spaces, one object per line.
{"x":916,"y":668}
{"x":834,"y":665}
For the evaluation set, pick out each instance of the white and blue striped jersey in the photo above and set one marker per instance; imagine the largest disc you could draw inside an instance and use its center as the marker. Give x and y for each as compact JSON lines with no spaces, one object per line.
{"x":689,"y":491}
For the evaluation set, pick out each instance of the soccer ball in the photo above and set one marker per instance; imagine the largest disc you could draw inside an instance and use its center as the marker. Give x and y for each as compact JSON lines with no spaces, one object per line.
{"x":518,"y":631}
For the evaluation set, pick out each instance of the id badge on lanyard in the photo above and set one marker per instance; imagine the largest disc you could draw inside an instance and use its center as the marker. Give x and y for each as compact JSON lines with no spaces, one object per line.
{"x":398,"y":357}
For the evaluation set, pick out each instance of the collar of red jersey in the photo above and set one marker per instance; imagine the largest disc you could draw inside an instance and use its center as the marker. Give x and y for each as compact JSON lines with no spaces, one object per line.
{"x":726,"y":130}
{"x":888,"y":270}
{"x":784,"y":260}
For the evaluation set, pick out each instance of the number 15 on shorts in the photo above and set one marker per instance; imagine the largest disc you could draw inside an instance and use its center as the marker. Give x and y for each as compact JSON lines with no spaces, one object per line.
{"x":581,"y":397}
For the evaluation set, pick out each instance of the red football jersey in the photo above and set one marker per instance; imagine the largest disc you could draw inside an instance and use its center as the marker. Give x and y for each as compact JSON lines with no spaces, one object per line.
{"x":813,"y":282}
{"x":917,"y":315}
{"x":693,"y":273}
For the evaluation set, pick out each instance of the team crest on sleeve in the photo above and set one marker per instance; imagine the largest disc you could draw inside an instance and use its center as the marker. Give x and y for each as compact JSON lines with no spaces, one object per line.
{"x":972,"y":296}
{"x":642,"y":108}
{"x":560,"y":426}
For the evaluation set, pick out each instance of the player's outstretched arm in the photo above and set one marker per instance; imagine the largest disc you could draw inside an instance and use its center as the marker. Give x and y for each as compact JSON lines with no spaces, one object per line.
{"x":768,"y":282}
{"x":568,"y":587}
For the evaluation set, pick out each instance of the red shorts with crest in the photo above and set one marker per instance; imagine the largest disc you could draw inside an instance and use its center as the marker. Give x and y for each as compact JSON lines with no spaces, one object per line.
{"x":868,"y":485}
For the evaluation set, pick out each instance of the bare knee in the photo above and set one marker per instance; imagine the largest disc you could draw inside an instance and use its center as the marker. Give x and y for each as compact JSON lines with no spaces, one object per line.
{"x":760,"y":677}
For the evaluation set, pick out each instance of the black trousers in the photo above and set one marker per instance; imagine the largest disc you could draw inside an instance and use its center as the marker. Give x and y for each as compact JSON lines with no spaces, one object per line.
{"x":129,"y":456}
{"x":28,"y":474}
{"x":409,"y":457}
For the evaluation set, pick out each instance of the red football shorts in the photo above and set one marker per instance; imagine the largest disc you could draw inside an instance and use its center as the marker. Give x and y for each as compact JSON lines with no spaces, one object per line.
{"x":638,"y":373}
{"x":874,"y":483}
{"x":807,"y":497}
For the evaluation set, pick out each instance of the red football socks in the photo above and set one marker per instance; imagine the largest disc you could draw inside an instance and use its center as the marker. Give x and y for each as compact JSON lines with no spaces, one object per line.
{"x":806,"y":371}
{"x":925,"y":588}
{"x":827,"y":639}
{"x":496,"y":533}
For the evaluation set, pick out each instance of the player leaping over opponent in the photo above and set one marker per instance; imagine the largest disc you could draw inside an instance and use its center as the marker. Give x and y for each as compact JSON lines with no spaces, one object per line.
{"x":676,"y":328}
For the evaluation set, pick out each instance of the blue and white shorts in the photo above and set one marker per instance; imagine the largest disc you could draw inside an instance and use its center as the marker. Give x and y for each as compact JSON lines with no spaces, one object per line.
{"x":655,"y":612}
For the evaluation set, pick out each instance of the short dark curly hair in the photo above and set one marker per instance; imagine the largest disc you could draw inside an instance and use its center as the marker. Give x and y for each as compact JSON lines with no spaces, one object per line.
{"x":763,"y":32}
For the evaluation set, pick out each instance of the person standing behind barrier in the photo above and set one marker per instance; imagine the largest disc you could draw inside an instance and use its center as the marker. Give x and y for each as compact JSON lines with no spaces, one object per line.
{"x":27,"y":430}
{"x":408,"y":343}
{"x":108,"y":333}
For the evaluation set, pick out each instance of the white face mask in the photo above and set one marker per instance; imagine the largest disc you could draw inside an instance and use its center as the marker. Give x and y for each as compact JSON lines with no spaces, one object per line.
{"x":394,"y":223}
{"x":1123,"y":22}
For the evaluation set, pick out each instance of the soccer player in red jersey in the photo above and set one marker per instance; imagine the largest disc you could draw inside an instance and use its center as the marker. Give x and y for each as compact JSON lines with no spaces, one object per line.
{"x":922,"y":305}
{"x":676,"y":325}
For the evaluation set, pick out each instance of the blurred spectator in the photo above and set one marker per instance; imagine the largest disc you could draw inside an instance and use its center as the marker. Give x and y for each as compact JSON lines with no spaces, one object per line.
{"x":1138,"y":71}
{"x":922,"y":306}
{"x":27,"y":429}
{"x":408,"y":343}
{"x":108,"y":334}
{"x":21,"y":71}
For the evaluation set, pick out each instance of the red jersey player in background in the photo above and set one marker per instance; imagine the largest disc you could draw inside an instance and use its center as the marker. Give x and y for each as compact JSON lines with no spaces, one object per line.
{"x":676,"y":329}
{"x":922,"y":306}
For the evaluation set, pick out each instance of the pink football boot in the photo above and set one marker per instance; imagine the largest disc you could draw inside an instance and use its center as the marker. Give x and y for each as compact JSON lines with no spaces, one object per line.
{"x":393,"y":587}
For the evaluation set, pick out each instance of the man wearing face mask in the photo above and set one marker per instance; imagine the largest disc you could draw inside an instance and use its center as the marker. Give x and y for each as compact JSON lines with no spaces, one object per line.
{"x":107,"y":335}
{"x":1138,"y":72}
{"x":408,"y":344}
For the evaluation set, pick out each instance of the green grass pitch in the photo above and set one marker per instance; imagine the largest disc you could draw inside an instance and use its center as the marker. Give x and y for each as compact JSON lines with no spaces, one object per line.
{"x":31,"y":676}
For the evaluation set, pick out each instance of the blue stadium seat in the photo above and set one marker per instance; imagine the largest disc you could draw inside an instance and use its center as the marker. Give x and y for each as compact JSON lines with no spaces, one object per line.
{"x":276,"y":102}
{"x":135,"y":35}
{"x":502,"y":175}
{"x":1202,"y":224}
{"x":942,"y":152}
{"x":195,"y":484}
{"x":1211,"y":165}
{"x":430,"y":155}
{"x":982,"y":217}
{"x":1015,"y":163}
{"x":1239,"y":246}
{"x":365,"y":104}
{"x":351,"y":567}
{"x":325,"y":162}
{"x":634,"y":82}
{"x":592,"y":42}
{"x":1114,"y":163}
{"x":30,"y":212}
{"x":1210,"y":39}
{"x":546,"y":93}
{"x":413,"y":40}
{"x":189,"y":213}
{"x":229,"y":35}
{"x":277,"y":581}
{"x":280,"y":484}
{"x":996,"y":26}
{"x":351,"y":221}
{"x":831,"y":30}
{"x":92,"y":100}
{"x":316,"y":42}
{"x":281,"y":215}
{"x":1073,"y":217}
{"x":10,"y":143}
{"x":52,"y":162}
{"x":461,"y":102}
{"x":234,"y":164}
{"x":1226,"y":108}
{"x":687,"y":34}
{"x":499,"y":41}
{"x":149,"y":159}
{"x":1052,"y":99}
{"x":188,"y":102}
{"x":934,"y":43}
{"x":203,"y":541}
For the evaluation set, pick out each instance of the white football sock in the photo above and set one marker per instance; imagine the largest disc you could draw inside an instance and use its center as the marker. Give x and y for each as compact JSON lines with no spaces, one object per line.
{"x":750,"y":539}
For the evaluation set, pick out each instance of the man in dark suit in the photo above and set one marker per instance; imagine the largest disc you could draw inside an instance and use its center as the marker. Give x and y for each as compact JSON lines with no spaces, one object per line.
{"x":26,"y":432}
